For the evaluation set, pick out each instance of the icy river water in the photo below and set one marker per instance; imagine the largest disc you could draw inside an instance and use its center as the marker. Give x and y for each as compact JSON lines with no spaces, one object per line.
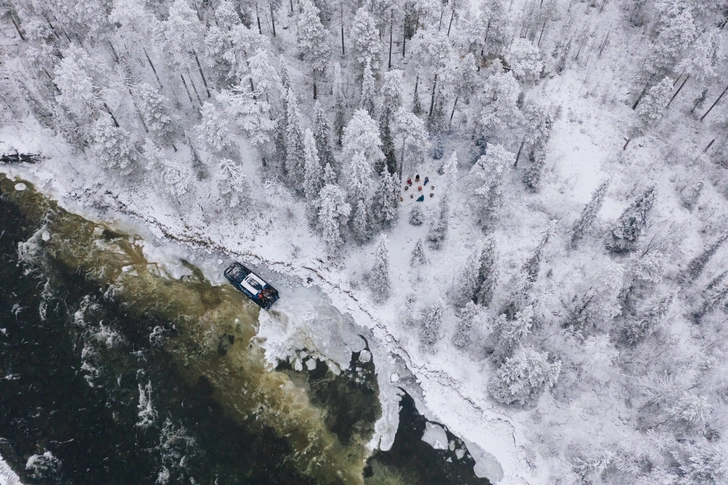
{"x":112,"y":371}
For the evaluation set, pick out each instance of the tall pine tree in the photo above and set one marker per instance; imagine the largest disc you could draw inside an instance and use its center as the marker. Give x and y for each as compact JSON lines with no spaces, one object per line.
{"x":585,"y":221}
{"x":627,"y":229}
{"x":313,"y":176}
{"x":295,"y":158}
{"x":379,"y":277}
{"x":322,"y":135}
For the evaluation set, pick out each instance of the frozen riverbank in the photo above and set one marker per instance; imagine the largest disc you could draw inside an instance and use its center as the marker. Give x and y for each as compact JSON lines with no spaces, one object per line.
{"x":304,"y":321}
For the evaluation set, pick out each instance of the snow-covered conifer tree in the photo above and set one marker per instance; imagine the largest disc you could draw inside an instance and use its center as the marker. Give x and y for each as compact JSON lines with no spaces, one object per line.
{"x":533,"y":265}
{"x":313,"y":178}
{"x":367,"y":91}
{"x":689,"y":195}
{"x":386,"y":198}
{"x":265,"y":77}
{"x":379,"y":277}
{"x":385,"y":129}
{"x":340,"y":105}
{"x":643,"y":273}
{"x":489,"y":171}
{"x":704,"y":56}
{"x":416,"y":217}
{"x":466,"y":82}
{"x":532,"y":175}
{"x":626,"y":230}
{"x":243,"y":41}
{"x":333,"y":215}
{"x":435,"y":55}
{"x":249,"y":113}
{"x":313,"y":39}
{"x":213,"y":131}
{"x":676,"y":32}
{"x":324,"y":11}
{"x":498,"y":103}
{"x":449,"y":182}
{"x":281,"y":144}
{"x":366,"y":44}
{"x":525,"y":60}
{"x":488,"y":273}
{"x":313,"y":175}
{"x":539,"y":122}
{"x":225,"y":14}
{"x":295,"y":158}
{"x":391,"y":91}
{"x":134,"y":22}
{"x":654,"y":103}
{"x":697,"y":264}
{"x":431,"y":323}
{"x":362,"y":135}
{"x":360,"y":221}
{"x":361,"y":184}
{"x":232,"y":183}
{"x":523,"y":378}
{"x":78,"y":92}
{"x":704,"y":463}
{"x":154,"y":111}
{"x":438,"y":228}
{"x":526,"y":277}
{"x":462,"y":337}
{"x":416,"y":103}
{"x":714,"y":294}
{"x":283,"y":73}
{"x":322,"y":135}
{"x":111,"y":146}
{"x":330,"y":176}
{"x":180,"y":33}
{"x":469,"y":277}
{"x":177,"y":178}
{"x":635,"y":330}
{"x":418,"y":254}
{"x":584,"y":223}
{"x":410,"y":131}
{"x":467,"y":78}
{"x":490,"y":30}
{"x":509,"y":333}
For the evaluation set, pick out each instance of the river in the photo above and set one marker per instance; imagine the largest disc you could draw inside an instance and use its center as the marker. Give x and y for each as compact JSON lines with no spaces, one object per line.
{"x":114,"y":371}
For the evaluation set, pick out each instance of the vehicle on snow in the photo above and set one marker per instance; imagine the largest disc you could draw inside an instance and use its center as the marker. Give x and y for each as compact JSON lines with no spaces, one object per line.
{"x":251,"y":285}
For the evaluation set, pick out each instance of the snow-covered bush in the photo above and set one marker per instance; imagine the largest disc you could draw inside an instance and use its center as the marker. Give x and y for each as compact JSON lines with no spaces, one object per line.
{"x":416,"y":217}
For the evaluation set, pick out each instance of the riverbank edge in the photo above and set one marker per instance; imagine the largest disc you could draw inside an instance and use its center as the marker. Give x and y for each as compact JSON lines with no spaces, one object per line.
{"x":501,"y":459}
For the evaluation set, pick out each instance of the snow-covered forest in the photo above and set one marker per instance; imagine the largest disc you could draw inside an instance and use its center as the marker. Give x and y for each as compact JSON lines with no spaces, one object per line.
{"x":565,"y":271}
